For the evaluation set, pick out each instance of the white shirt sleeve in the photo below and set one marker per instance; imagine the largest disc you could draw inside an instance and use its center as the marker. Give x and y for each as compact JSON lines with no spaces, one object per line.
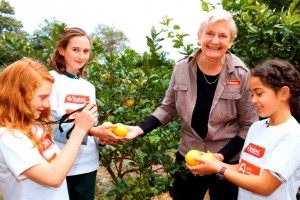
{"x":285,"y":159}
{"x":19,"y":152}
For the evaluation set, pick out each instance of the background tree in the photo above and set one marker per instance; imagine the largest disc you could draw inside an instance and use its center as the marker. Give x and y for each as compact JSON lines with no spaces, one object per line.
{"x":10,"y":32}
{"x":266,"y":33}
{"x":263,"y":33}
{"x":112,"y":39}
{"x":277,"y":4}
{"x":43,"y":40}
{"x":8,"y":24}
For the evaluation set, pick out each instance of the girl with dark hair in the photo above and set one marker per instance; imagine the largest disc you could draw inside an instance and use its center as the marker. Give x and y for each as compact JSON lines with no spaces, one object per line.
{"x":269,"y":165}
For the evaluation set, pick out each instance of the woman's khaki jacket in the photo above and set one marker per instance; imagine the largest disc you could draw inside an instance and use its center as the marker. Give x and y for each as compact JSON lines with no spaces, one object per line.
{"x":231,"y":113}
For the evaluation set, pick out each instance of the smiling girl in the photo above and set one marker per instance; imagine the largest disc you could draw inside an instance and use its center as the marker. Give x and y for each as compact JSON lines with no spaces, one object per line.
{"x":70,"y":92}
{"x":31,"y":164}
{"x":269,"y":165}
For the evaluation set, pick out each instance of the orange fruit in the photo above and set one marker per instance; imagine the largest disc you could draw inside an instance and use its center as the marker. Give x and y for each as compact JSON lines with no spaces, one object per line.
{"x":106,"y":76}
{"x":108,"y":124}
{"x":121,"y":130}
{"x":129,"y":102}
{"x":189,"y":157}
{"x":208,"y":155}
{"x":110,"y":118}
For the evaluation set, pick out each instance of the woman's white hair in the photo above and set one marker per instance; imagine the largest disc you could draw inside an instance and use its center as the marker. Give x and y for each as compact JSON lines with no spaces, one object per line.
{"x":219,"y":15}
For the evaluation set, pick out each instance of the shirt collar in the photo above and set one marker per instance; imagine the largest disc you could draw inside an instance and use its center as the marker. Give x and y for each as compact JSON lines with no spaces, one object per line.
{"x":71,"y":75}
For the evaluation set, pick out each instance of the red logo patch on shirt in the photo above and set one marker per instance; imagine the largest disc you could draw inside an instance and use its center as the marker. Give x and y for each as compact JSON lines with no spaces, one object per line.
{"x":77,"y":99}
{"x":233,"y":82}
{"x":248,"y":168}
{"x":46,"y":142}
{"x":255,"y":150}
{"x":48,"y":148}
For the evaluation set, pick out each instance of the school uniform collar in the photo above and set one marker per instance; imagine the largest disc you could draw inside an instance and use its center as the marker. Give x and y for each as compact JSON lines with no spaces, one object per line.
{"x":71,"y":75}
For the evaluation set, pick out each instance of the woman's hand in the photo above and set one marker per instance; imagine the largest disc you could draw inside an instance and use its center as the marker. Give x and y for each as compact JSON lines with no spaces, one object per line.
{"x":133,"y":132}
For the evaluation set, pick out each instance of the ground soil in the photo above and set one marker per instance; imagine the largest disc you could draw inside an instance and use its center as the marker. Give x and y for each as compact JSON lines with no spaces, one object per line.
{"x":166,"y":196}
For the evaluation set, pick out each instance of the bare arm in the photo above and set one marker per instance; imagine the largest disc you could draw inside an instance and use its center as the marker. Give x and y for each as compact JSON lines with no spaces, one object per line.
{"x":263,"y":185}
{"x":53,"y":173}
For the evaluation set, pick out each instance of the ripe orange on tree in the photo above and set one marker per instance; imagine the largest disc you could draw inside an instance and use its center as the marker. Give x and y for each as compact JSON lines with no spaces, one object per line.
{"x":129,"y":102}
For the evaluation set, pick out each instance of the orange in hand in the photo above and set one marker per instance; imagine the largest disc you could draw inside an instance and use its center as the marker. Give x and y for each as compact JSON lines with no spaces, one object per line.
{"x":109,"y":124}
{"x":189,"y":157}
{"x":121,"y":130}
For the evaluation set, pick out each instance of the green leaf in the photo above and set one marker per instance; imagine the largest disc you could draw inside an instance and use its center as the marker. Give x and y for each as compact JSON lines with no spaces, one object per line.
{"x":176,"y":27}
{"x":205,"y":6}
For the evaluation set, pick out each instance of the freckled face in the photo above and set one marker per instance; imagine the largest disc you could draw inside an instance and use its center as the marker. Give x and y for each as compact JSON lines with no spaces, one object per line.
{"x":76,"y":54}
{"x":40,"y":101}
{"x":215,"y":40}
{"x":264,"y":98}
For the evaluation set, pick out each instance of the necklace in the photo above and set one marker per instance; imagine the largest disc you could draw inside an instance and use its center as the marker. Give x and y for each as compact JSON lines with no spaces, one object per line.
{"x":210,"y":83}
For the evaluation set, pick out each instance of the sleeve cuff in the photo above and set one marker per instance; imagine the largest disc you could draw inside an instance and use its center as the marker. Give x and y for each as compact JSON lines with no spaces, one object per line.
{"x":232,"y":148}
{"x":149,"y":124}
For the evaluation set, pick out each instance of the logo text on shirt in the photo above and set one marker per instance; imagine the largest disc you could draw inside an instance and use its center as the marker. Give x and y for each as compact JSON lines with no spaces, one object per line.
{"x":233,"y":82}
{"x":77,"y":99}
{"x":255,"y":150}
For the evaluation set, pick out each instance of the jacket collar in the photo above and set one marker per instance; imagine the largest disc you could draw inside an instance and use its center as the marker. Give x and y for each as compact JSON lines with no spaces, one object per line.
{"x":231,"y":63}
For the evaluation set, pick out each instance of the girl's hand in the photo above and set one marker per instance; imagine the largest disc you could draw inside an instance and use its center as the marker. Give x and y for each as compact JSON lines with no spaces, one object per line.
{"x":105,"y":135}
{"x":86,"y":119}
{"x":206,"y":167}
{"x":219,"y":156}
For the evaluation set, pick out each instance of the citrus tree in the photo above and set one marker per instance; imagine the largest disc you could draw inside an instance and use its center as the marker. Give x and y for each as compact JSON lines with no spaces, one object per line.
{"x":129,"y":87}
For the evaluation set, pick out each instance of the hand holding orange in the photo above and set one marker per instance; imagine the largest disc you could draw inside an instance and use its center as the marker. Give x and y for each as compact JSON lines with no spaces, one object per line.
{"x":189,"y":157}
{"x":208,"y":155}
{"x":121,"y":130}
{"x":108,"y":124}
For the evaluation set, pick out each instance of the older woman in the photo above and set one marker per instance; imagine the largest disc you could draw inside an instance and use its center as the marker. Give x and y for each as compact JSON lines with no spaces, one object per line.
{"x":209,"y":91}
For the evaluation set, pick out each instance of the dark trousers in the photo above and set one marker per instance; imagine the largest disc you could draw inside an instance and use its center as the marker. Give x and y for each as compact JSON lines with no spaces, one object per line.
{"x":187,"y":186}
{"x":82,"y":186}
